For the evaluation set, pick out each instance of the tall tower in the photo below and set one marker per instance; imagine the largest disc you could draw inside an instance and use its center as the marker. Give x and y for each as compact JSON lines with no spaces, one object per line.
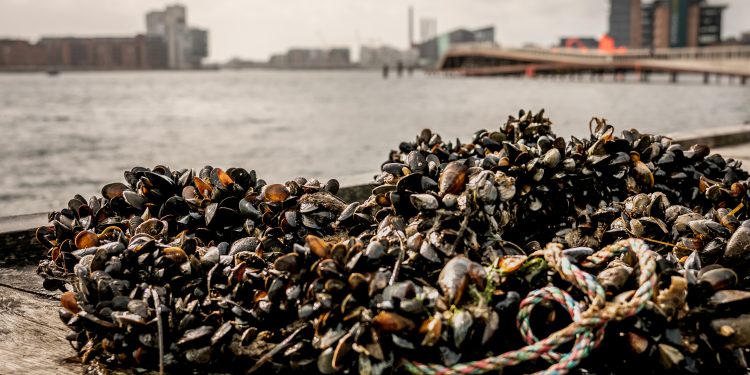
{"x":411,"y":27}
{"x":184,"y":47}
{"x":176,"y":36}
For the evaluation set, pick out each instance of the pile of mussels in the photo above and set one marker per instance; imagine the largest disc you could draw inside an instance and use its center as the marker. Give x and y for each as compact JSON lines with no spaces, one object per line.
{"x":217,"y":270}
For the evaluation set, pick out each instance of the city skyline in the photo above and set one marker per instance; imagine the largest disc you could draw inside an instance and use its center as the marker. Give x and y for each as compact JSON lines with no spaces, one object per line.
{"x":258,"y":30}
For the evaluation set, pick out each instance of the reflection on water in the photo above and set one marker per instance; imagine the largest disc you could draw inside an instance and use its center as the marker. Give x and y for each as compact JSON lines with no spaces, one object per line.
{"x":72,"y":133}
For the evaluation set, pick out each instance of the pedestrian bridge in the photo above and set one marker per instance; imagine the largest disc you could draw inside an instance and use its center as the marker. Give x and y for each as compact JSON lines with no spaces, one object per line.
{"x":480,"y":60}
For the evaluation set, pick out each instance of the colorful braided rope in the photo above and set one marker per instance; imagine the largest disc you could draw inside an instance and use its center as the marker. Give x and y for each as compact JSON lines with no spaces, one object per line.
{"x":587,"y":328}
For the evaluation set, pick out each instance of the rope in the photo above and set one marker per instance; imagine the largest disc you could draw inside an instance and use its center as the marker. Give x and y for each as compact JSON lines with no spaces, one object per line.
{"x":587,"y":328}
{"x":537,"y":297}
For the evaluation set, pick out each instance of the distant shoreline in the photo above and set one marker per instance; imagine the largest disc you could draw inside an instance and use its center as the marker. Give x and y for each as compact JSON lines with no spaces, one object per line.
{"x":53,"y":71}
{"x":90,"y":69}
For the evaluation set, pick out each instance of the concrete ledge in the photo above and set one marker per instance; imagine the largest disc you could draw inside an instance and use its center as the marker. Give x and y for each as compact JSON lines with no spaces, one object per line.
{"x":356,"y":193}
{"x":18,"y":244}
{"x":714,"y":136}
{"x":17,"y":223}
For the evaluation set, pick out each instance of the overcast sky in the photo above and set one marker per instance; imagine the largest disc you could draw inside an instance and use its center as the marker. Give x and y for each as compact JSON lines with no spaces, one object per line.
{"x":255,"y":29}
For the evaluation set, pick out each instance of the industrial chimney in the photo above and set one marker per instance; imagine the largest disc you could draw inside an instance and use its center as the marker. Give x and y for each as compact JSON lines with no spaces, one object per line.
{"x":411,"y":27}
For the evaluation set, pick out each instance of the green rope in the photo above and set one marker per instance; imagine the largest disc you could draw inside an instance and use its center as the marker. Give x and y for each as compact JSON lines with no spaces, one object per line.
{"x":587,"y":328}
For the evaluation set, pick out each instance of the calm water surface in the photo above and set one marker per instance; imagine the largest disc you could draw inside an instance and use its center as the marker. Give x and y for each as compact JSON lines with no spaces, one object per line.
{"x":72,"y":133}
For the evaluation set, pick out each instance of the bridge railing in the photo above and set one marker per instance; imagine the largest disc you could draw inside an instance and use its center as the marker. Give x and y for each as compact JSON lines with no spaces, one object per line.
{"x":736,"y":52}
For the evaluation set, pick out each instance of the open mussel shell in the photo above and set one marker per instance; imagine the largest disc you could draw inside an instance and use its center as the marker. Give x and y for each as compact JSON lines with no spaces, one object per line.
{"x":220,"y":178}
{"x":113,"y":190}
{"x":44,"y":235}
{"x":276,"y":193}
{"x":204,"y":188}
{"x":86,"y":239}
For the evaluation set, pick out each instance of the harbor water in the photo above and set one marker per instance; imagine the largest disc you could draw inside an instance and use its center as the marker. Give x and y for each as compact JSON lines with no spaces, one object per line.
{"x":74,"y":132}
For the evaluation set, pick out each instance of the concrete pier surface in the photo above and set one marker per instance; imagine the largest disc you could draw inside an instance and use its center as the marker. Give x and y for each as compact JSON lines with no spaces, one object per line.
{"x":714,"y":136}
{"x":728,"y":141}
{"x":737,"y":152}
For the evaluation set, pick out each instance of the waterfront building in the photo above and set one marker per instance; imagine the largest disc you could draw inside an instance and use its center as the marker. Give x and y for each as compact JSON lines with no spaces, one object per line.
{"x":21,"y":54}
{"x":376,"y":57}
{"x":155,"y":53}
{"x":432,"y":50}
{"x":484,"y":35}
{"x":239,"y":63}
{"x":647,"y":25}
{"x":660,"y":31}
{"x":278,"y":60}
{"x":686,"y":23}
{"x":95,"y":53}
{"x":198,"y":46}
{"x":625,"y":23}
{"x":338,"y":57}
{"x":105,"y":53}
{"x":170,"y":24}
{"x":156,"y":25}
{"x":312,"y":58}
{"x":301,"y":57}
{"x":168,"y":43}
{"x":709,"y":25}
{"x":186,"y":47}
